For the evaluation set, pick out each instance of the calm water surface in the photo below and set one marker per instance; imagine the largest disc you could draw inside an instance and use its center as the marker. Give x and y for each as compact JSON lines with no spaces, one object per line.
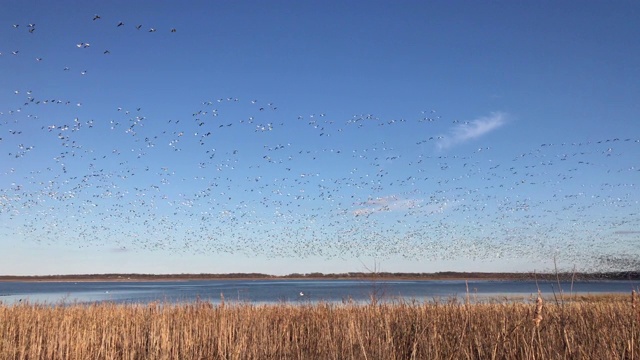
{"x":274,"y":291}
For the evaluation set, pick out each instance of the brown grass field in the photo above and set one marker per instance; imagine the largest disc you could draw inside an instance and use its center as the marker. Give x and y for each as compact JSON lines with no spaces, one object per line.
{"x":604,"y":327}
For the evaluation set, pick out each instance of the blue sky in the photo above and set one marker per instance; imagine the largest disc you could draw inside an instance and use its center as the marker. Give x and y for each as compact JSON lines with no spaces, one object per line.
{"x":284,"y":136}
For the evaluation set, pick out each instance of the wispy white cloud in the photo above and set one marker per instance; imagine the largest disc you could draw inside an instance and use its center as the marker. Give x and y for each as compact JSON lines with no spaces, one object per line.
{"x":380,"y":201}
{"x":627,"y":232}
{"x":386,"y":203}
{"x":437,"y":208}
{"x":394,"y":203}
{"x":472,"y":130}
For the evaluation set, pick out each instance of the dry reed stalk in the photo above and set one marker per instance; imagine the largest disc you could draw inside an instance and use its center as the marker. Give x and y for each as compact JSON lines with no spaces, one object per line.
{"x":634,"y":304}
{"x":631,"y":347}
{"x":537,"y":315}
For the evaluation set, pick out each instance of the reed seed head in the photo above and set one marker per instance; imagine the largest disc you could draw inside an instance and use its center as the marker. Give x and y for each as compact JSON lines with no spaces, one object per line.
{"x":537,"y":315}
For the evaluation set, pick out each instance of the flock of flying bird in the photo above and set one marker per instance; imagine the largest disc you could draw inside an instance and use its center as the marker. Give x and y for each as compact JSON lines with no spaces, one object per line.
{"x":234,"y":175}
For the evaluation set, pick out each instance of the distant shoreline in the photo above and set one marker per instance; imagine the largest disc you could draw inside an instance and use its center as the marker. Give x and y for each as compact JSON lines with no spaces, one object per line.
{"x":564,"y":276}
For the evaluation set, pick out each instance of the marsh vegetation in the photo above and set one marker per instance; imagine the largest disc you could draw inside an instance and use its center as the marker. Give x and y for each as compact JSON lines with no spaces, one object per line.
{"x":605,"y":327}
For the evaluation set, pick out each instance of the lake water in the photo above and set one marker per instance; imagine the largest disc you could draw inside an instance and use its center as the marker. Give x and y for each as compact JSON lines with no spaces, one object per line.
{"x":275,"y":291}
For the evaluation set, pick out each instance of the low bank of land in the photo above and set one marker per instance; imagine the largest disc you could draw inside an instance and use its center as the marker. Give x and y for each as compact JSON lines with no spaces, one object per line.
{"x":448,"y":275}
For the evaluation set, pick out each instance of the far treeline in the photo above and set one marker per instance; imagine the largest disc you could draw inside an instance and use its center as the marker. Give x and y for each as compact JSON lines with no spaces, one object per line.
{"x":447,"y":275}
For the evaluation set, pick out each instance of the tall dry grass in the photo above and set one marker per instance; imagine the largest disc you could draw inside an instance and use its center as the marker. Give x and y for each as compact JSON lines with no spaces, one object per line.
{"x":582,"y":329}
